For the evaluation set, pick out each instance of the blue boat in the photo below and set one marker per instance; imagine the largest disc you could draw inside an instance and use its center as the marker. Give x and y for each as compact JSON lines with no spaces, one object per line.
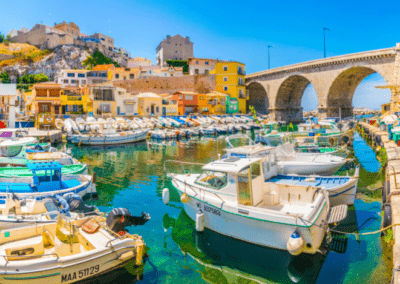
{"x":47,"y":179}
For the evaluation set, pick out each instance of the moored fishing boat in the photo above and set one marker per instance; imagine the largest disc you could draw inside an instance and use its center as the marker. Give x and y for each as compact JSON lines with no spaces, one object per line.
{"x":109,"y":136}
{"x":11,"y":172}
{"x":67,"y":251}
{"x":233,"y":198}
{"x":47,"y":179}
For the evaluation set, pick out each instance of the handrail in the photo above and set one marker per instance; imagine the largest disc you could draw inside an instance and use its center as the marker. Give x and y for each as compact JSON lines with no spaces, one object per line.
{"x":29,"y":256}
{"x":238,"y":136}
{"x":117,"y":238}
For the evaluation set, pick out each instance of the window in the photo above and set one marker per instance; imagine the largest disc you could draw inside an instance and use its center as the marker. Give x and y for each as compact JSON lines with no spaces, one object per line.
{"x":65,"y":81}
{"x":225,"y":88}
{"x":188,"y":97}
{"x":157,"y":109}
{"x":176,"y":51}
{"x":72,"y":30}
{"x":68,"y":29}
{"x":225,"y":79}
{"x":206,"y":62}
{"x":244,"y":187}
{"x":131,"y":76}
{"x":76,"y":32}
{"x":240,"y":81}
{"x":225,"y":68}
{"x":206,"y":72}
{"x":102,"y":39}
{"x":196,"y":71}
{"x":105,"y":108}
{"x":255,"y":170}
{"x":120,"y":93}
{"x":116,"y":76}
{"x":197,"y":62}
{"x":180,"y":96}
{"x":222,"y":101}
{"x":83,"y":82}
{"x":73,"y":81}
{"x":71,"y":74}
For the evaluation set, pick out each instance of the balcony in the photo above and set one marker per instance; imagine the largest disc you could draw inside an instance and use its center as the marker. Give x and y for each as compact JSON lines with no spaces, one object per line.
{"x":241,"y":72}
{"x":241,"y":83}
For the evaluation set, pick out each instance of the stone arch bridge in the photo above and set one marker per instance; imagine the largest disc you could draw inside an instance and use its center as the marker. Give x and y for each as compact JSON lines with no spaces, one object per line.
{"x":279,"y":91}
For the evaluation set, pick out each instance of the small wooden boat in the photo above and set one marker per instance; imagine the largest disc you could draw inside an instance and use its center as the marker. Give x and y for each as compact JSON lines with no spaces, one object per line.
{"x":109,"y":136}
{"x":47,"y":179}
{"x":11,"y":172}
{"x":67,"y":251}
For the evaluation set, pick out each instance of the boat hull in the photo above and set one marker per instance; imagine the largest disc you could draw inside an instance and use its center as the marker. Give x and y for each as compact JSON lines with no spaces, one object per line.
{"x":261,"y":232}
{"x":109,"y":139}
{"x":298,"y":168}
{"x":70,"y":269}
{"x":343,"y":195}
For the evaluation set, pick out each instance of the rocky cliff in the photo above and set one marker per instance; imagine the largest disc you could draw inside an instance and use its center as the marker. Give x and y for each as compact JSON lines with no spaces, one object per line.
{"x":64,"y":57}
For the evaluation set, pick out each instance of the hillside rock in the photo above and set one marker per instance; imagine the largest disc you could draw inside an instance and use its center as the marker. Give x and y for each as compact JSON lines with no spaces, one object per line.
{"x":64,"y":57}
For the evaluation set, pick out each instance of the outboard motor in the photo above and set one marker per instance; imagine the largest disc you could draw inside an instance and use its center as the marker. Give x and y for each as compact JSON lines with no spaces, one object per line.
{"x":76,"y":204}
{"x":119,"y":218}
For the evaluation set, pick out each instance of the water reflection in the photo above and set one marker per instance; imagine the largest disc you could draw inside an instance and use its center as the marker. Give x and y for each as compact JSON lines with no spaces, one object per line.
{"x":226,"y":260}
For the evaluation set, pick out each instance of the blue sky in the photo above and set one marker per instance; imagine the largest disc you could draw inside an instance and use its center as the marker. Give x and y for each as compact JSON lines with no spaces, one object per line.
{"x":230,"y":30}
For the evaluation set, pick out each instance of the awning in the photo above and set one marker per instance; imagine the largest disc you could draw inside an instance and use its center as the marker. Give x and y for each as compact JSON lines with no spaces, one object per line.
{"x":129,"y":102}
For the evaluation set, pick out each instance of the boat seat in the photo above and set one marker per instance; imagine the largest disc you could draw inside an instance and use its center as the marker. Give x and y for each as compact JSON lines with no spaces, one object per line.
{"x":29,"y":207}
{"x":30,"y":246}
{"x":70,"y":183}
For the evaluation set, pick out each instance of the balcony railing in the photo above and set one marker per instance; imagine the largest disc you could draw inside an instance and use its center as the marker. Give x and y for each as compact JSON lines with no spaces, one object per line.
{"x":241,"y":83}
{"x":241,"y":72}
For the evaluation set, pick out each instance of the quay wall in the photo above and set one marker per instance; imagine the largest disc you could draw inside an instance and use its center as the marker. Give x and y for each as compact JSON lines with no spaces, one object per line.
{"x":381,"y":138}
{"x":168,"y":85}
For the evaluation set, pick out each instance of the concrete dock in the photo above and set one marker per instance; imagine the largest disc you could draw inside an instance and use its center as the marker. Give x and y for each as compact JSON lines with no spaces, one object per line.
{"x":381,"y":138}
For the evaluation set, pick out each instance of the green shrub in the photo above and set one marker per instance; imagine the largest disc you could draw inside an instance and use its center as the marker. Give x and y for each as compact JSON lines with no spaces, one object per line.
{"x":179,"y":63}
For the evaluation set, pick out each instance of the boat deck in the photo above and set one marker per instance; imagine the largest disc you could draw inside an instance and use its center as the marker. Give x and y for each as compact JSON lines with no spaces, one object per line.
{"x":326,"y":182}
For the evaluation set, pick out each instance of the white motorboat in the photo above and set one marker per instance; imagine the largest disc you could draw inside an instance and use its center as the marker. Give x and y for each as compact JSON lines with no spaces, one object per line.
{"x":341,"y":189}
{"x":80,"y":123}
{"x":233,"y":198}
{"x":67,"y":251}
{"x":109,"y":136}
{"x":71,"y":126}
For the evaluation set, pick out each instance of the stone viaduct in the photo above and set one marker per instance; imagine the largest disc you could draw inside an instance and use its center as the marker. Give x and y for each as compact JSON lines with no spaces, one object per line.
{"x":279,"y":91}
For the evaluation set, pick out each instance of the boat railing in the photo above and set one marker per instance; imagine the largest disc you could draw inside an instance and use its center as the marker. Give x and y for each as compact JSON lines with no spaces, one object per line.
{"x":29,"y":256}
{"x":185,"y":172}
{"x":238,"y":136}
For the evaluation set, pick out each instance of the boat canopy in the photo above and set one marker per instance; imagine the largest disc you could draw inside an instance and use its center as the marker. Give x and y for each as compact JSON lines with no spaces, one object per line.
{"x":51,"y":180}
{"x":230,"y":165}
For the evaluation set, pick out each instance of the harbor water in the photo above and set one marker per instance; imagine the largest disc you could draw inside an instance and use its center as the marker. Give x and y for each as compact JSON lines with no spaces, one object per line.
{"x":133,"y":177}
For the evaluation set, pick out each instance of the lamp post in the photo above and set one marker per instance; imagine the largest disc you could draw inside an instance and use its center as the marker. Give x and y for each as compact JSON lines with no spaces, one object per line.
{"x":325,"y":29}
{"x":268,"y":56}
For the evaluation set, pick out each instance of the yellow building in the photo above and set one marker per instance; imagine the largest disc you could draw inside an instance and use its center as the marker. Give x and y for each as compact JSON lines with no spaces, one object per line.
{"x":75,"y":100}
{"x":102,"y":97}
{"x":217,"y":101}
{"x":385,"y":108}
{"x":45,"y":98}
{"x":148,"y":104}
{"x":229,"y":77}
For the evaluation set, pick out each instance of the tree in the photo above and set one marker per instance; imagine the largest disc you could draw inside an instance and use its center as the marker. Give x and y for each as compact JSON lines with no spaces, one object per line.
{"x":4,"y":77}
{"x":98,"y":58}
{"x":179,"y":63}
{"x":27,"y":79}
{"x":41,"y":78}
{"x":1,"y":38}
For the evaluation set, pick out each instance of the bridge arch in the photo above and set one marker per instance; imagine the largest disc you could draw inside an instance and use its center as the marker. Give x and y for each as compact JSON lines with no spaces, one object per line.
{"x":341,"y":92}
{"x":288,"y":98}
{"x":258,"y":97}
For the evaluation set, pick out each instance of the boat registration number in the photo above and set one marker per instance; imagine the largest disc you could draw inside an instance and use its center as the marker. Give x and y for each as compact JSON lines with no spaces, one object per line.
{"x":210,"y":209}
{"x":80,"y":274}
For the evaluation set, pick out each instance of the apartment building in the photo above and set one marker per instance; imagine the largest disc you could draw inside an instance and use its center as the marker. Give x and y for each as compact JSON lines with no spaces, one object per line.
{"x":174,"y":48}
{"x":71,"y":78}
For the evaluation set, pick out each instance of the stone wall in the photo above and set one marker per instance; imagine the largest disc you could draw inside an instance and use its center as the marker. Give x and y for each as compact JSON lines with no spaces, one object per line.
{"x":38,"y":37}
{"x":170,"y":85}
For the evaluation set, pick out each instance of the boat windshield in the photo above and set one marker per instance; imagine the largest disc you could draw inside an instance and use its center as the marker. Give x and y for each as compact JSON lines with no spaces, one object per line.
{"x":212,"y":179}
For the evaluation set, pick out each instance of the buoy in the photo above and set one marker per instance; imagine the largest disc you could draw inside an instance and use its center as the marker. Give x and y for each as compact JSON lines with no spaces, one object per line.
{"x":165,"y":196}
{"x":295,"y":244}
{"x":200,"y":221}
{"x":185,"y":198}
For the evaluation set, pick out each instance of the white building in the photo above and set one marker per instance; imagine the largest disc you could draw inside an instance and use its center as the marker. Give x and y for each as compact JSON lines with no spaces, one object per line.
{"x":72,"y":78}
{"x":139,"y":62}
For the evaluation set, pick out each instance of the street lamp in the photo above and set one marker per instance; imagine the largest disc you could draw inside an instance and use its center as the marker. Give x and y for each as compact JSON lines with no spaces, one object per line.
{"x":268,"y":56}
{"x":325,"y":29}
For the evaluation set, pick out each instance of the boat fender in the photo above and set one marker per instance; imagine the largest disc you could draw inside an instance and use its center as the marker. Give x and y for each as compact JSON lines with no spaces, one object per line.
{"x":63,"y":203}
{"x":295,"y":244}
{"x":387,"y":215}
{"x":200,"y":221}
{"x":185,"y":198}
{"x":165,"y":196}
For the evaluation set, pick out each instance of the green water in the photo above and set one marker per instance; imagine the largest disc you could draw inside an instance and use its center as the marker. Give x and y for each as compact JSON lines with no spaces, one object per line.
{"x":133,"y":177}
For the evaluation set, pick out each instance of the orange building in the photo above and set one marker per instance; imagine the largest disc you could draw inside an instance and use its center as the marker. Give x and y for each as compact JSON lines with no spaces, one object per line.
{"x":125,"y":73}
{"x":204,"y":107}
{"x":46,"y":98}
{"x":68,"y":28}
{"x":187,"y":102}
